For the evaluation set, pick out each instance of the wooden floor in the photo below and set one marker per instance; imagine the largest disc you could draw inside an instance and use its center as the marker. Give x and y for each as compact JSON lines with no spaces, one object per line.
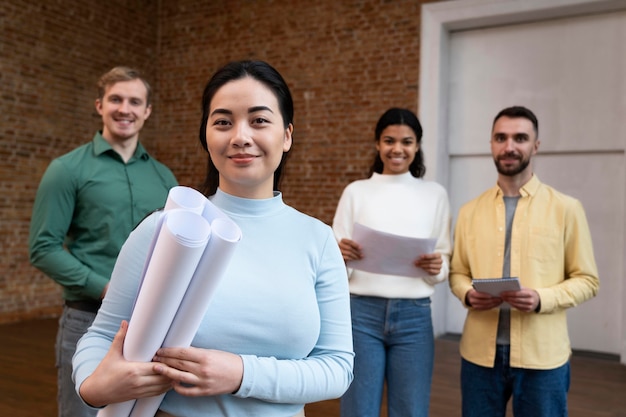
{"x":28,"y":378}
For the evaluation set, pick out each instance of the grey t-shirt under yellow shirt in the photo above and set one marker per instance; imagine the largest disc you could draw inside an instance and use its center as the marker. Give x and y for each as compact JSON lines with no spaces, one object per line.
{"x":504,"y":320}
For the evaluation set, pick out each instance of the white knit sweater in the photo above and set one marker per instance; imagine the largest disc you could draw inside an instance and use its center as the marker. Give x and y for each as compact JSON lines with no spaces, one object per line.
{"x":402,"y":205}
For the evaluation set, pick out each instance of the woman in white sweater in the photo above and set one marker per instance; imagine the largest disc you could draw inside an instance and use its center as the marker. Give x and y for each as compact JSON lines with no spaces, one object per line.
{"x":391,"y":315}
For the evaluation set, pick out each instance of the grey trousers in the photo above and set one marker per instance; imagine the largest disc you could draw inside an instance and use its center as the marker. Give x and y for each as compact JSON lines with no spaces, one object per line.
{"x":164,"y":414}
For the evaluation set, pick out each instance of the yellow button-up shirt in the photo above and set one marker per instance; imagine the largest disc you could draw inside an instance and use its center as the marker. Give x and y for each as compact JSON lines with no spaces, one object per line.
{"x":551,"y":252}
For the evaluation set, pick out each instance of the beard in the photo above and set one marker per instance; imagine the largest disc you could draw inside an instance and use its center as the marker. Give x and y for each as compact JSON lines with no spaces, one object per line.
{"x":511,"y":171}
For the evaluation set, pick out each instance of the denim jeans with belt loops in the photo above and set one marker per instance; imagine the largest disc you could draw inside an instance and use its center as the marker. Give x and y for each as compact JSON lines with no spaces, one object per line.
{"x":536,"y":393}
{"x":393,"y":342}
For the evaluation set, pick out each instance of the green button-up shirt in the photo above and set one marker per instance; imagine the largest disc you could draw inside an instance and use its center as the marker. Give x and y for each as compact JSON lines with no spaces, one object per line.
{"x":88,"y":202}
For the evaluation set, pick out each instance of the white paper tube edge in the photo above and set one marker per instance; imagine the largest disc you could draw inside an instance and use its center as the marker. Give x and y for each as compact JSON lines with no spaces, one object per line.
{"x":185,"y":198}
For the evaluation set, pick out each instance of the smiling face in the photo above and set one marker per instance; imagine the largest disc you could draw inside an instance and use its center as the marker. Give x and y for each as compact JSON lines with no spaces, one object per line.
{"x":246,"y":137}
{"x":124,"y":109}
{"x":397,"y":146}
{"x":513,"y":143}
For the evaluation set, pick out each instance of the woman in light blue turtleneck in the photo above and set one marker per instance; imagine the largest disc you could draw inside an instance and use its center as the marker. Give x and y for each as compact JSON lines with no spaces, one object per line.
{"x":277,"y":332}
{"x":391,"y":316}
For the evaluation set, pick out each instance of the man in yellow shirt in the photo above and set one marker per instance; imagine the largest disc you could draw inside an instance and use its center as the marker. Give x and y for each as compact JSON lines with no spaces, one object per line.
{"x":526,"y":229}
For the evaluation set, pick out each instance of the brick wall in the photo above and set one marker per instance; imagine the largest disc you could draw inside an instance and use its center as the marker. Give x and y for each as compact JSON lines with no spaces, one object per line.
{"x":51,"y":55}
{"x":345,"y":62}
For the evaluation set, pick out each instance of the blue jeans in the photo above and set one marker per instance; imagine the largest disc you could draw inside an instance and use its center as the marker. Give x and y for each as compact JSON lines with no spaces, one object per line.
{"x":537,"y":393}
{"x":393,"y":342}
{"x":72,"y":325}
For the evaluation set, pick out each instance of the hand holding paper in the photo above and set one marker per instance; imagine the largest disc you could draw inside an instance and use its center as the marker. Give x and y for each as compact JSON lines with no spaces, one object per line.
{"x":117,"y":378}
{"x":430,"y":262}
{"x":350,"y":250}
{"x":386,"y":253}
{"x":496,"y":286}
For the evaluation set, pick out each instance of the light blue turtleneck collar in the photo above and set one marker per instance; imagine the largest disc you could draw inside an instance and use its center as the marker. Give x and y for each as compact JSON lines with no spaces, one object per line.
{"x":248,"y":207}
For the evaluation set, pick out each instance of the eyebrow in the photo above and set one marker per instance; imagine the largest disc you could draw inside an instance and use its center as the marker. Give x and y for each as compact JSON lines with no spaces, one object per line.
{"x":115,"y":95}
{"x":402,"y":138}
{"x":516,"y":134}
{"x":250,"y":110}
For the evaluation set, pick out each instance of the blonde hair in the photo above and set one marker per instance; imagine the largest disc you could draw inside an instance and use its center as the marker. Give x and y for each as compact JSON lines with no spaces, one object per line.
{"x":119,"y":74}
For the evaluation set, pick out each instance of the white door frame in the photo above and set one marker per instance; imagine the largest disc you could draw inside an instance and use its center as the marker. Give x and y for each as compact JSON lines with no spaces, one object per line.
{"x":438,"y":20}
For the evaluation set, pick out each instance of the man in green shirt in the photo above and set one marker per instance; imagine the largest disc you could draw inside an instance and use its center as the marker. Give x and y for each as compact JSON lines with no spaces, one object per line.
{"x":88,"y":202}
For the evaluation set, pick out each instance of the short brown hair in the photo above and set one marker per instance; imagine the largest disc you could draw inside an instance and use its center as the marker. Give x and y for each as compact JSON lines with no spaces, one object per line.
{"x":119,"y":74}
{"x":518,"y":112}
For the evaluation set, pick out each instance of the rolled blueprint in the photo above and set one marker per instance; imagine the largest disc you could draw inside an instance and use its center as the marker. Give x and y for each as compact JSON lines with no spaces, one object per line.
{"x":179,"y":246}
{"x":177,"y":285}
{"x":179,"y":197}
{"x":185,"y":198}
{"x":181,"y":243}
{"x":224,"y":235}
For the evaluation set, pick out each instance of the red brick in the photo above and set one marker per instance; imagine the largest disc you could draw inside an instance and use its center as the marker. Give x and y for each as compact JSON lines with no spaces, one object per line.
{"x":345,"y":61}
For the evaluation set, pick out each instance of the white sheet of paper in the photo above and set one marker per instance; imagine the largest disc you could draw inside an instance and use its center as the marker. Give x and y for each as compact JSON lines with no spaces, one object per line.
{"x":389,"y":254}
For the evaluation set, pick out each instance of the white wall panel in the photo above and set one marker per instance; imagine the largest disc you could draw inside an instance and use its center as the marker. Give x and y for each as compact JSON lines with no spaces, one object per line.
{"x":566,"y":60}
